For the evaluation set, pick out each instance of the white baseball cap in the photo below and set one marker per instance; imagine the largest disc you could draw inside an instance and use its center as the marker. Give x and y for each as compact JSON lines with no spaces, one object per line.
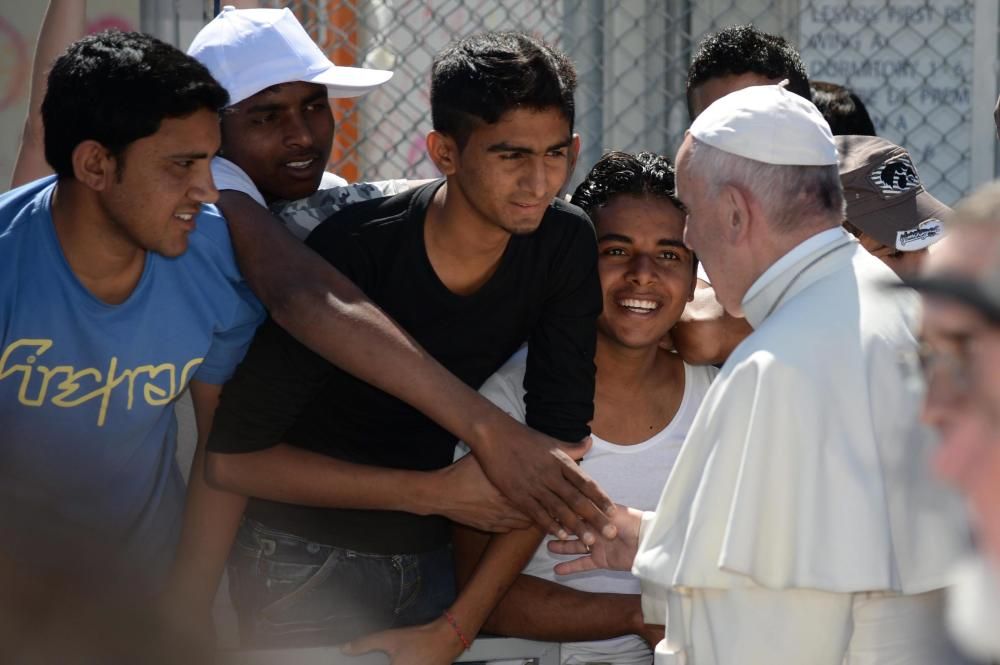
{"x":769,"y":124}
{"x":248,"y":50}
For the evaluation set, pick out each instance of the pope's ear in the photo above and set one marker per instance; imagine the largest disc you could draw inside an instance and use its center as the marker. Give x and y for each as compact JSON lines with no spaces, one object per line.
{"x":443,"y":151}
{"x":736,"y":207}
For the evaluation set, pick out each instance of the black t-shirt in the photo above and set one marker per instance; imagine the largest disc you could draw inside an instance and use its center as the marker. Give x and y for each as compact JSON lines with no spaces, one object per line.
{"x":545,"y":290}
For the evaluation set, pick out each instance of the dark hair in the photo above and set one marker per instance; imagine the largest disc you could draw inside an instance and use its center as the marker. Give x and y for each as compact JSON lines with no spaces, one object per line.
{"x":486,"y":75}
{"x":618,"y":173}
{"x":739,"y":49}
{"x":624,"y":173}
{"x":117,"y":87}
{"x":843,"y":109}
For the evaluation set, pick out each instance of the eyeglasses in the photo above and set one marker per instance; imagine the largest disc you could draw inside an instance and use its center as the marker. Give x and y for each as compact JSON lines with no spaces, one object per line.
{"x":953,"y":361}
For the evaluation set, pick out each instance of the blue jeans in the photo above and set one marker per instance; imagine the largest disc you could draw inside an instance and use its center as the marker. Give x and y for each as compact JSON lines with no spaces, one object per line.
{"x":291,"y":592}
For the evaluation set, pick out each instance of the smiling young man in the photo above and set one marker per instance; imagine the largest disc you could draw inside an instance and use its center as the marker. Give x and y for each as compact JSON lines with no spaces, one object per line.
{"x":277,"y":132}
{"x":347,"y":532}
{"x":118,"y":289}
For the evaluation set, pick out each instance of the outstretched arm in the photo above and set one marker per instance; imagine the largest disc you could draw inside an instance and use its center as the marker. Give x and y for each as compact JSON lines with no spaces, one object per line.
{"x":484,"y":580}
{"x":705,"y":334}
{"x":330,"y":315}
{"x":63,"y":24}
{"x":617,"y":554}
{"x":536,"y":609}
{"x":294,"y":475}
{"x":444,"y":639}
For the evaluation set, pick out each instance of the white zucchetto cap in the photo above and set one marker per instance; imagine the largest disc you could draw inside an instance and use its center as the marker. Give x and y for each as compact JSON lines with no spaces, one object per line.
{"x":769,"y":124}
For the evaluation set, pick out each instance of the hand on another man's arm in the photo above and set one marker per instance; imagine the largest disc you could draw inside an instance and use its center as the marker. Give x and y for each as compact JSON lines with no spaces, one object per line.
{"x":329,"y":314}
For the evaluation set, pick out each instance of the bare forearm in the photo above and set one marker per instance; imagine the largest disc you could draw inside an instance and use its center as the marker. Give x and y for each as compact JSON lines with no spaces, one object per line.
{"x":293,"y":475}
{"x":533,"y":608}
{"x":325,"y":311}
{"x":63,"y":24}
{"x":705,"y":333}
{"x":211,"y":518}
{"x":501,"y":564}
{"x":539,"y":609}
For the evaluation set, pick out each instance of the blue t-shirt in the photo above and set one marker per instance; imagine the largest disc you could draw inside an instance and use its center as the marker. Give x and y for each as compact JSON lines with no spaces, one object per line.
{"x":87,"y":389}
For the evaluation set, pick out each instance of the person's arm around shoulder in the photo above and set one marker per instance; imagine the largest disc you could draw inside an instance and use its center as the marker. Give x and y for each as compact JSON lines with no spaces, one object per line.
{"x":705,"y":334}
{"x":330,"y":315}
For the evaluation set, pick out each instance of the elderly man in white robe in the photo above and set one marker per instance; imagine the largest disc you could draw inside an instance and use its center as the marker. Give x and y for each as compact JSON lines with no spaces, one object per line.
{"x":800,"y":524}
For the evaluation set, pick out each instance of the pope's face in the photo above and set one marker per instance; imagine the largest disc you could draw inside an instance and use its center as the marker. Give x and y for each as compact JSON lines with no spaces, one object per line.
{"x":703,"y":232}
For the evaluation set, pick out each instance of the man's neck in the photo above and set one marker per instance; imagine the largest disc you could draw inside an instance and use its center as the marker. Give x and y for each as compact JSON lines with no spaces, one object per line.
{"x":105,"y":261}
{"x":464,"y":249}
{"x":772,"y":247}
{"x":638,"y":391}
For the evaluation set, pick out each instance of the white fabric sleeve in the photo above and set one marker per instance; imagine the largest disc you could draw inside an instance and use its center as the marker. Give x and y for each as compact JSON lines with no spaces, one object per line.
{"x":330,"y":180}
{"x":654,"y":593}
{"x":391,"y":187}
{"x":228,"y":175}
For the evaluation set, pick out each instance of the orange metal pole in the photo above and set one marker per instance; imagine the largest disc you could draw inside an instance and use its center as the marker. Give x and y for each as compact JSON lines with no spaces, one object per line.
{"x":342,"y":47}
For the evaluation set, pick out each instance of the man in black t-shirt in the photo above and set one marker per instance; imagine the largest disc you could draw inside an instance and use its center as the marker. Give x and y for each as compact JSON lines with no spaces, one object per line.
{"x":347,"y":531}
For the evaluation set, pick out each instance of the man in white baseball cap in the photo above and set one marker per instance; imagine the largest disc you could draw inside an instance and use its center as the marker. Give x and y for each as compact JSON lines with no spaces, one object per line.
{"x":277,"y":133}
{"x":800,"y":523}
{"x":252,"y":49}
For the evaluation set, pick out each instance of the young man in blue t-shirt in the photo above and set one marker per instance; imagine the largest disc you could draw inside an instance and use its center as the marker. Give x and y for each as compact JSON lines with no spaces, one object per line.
{"x":118,"y":289}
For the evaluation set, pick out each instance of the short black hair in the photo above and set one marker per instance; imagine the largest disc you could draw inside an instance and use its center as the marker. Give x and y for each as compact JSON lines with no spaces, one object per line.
{"x":645,"y":173}
{"x":621,"y":173}
{"x":482,"y":77}
{"x":842,"y":108}
{"x":117,"y":87}
{"x":740,"y":49}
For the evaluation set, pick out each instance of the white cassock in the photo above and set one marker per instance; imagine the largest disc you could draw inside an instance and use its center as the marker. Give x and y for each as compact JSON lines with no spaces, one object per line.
{"x":801,"y":523}
{"x":974,"y":608}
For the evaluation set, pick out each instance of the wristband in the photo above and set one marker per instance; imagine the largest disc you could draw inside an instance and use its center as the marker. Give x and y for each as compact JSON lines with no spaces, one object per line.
{"x":458,"y":631}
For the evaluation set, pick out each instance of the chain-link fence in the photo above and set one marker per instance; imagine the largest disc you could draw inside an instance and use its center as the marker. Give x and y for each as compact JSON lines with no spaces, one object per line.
{"x":912,"y":63}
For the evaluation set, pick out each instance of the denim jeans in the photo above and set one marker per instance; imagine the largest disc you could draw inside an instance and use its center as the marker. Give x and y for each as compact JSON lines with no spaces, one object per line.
{"x":291,"y":592}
